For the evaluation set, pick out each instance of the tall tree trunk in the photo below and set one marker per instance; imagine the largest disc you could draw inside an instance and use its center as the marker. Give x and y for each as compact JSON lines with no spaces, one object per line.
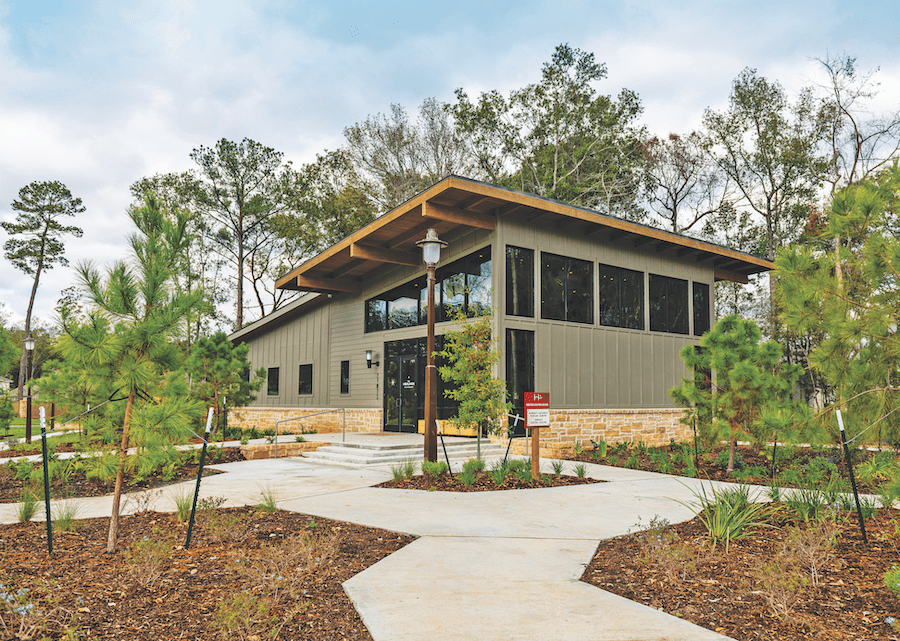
{"x":120,"y":475}
{"x":23,"y":366}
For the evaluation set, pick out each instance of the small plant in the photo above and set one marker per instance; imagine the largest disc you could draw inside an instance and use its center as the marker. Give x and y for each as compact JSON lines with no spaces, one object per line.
{"x":892,"y":580}
{"x":579,"y":450}
{"x":467,"y":476}
{"x":474,"y":464}
{"x":143,"y":501}
{"x":64,"y":515}
{"x":580,"y":471}
{"x":499,"y":472}
{"x":145,"y":558}
{"x":404,"y":470}
{"x":268,"y":504}
{"x":632,"y":463}
{"x":27,"y":507}
{"x":183,"y":504}
{"x":557,"y":467}
{"x":524,"y":474}
{"x":600,"y":448}
{"x":434,"y":469}
{"x":642,"y":447}
{"x":245,"y":439}
{"x":808,"y":503}
{"x":612,"y":460}
{"x":659,"y":546}
{"x":722,"y":460}
{"x":25,"y":614}
{"x":299,"y":439}
{"x":727,"y":513}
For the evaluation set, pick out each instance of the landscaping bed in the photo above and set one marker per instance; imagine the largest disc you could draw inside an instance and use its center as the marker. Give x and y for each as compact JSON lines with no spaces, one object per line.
{"x":761,"y":588}
{"x":247,"y":573}
{"x":794,"y":466}
{"x":511,"y":474}
{"x":82,"y":482}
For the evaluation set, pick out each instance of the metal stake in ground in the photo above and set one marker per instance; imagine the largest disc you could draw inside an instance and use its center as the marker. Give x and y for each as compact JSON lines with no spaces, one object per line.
{"x":209,"y":417}
{"x":46,"y":482}
{"x":446,"y":456}
{"x":862,"y":526}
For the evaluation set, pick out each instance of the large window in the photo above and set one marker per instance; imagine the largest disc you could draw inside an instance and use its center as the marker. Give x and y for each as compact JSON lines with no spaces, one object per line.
{"x":701,"y":308}
{"x":621,"y":297}
{"x":345,"y":377}
{"x":668,"y":304}
{"x":463,"y":285}
{"x":567,"y":289}
{"x":519,"y":281}
{"x":272,"y":382}
{"x":305,"y":386}
{"x":519,"y":371}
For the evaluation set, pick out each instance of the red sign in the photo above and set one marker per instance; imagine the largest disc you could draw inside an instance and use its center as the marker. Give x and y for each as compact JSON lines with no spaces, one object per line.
{"x":537,"y":409}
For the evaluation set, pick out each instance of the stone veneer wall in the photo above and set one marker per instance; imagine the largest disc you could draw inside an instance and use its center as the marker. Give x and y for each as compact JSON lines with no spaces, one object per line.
{"x":652,"y":426}
{"x":358,"y":420}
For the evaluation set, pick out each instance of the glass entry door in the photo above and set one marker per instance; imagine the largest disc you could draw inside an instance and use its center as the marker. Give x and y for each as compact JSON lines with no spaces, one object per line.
{"x":400,"y":394}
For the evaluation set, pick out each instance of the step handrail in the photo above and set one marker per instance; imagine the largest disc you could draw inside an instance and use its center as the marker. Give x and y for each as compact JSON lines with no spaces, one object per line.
{"x":297,"y":418}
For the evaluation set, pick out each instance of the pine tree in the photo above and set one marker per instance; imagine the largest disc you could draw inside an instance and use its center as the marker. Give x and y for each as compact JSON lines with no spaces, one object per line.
{"x":739,"y":388}
{"x":850,"y":291}
{"x":127,"y":335}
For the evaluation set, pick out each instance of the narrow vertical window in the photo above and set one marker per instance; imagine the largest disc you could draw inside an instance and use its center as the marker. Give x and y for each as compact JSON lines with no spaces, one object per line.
{"x":668,"y":305}
{"x":519,"y":281}
{"x":345,"y":377}
{"x":621,"y":297}
{"x":519,"y":370}
{"x":305,"y":386}
{"x":272,"y":382}
{"x":701,"y":308}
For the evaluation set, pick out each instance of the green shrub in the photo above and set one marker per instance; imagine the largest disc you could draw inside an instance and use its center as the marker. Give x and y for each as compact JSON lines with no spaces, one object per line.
{"x":754,"y":471}
{"x":727,"y":513}
{"x":183,"y":503}
{"x":580,"y":470}
{"x":434,"y":468}
{"x":807,"y":503}
{"x":557,"y":467}
{"x":499,"y":471}
{"x":467,"y":476}
{"x":892,"y":580}
{"x":404,"y":470}
{"x":28,"y":506}
{"x":722,"y":459}
{"x":600,"y":447}
{"x":632,"y":463}
{"x":474,"y":464}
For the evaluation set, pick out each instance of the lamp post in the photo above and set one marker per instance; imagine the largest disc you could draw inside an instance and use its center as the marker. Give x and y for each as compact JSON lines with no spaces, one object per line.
{"x":29,"y":348}
{"x":431,"y":255}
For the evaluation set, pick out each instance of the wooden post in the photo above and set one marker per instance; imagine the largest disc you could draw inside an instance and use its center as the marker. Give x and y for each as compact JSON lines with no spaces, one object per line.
{"x":535,"y":453}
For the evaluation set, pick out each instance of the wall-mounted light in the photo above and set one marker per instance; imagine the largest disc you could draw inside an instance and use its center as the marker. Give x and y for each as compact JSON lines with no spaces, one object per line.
{"x":369,"y":362}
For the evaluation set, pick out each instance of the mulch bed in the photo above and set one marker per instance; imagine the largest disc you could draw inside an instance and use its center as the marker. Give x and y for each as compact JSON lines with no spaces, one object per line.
{"x":752,"y":457}
{"x":483,"y":483}
{"x":109,"y":603}
{"x":79,"y":486}
{"x":724,"y":594}
{"x":59,"y":447}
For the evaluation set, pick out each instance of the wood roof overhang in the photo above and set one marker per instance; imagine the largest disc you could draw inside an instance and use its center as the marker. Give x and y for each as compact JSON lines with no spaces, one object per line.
{"x":456,"y":205}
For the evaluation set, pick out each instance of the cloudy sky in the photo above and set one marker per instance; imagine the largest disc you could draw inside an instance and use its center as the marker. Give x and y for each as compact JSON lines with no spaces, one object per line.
{"x":98,"y":94}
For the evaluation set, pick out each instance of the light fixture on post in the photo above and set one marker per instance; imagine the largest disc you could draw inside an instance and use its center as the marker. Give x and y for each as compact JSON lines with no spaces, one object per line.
{"x":369,"y":361}
{"x":431,"y":255}
{"x":29,"y":348}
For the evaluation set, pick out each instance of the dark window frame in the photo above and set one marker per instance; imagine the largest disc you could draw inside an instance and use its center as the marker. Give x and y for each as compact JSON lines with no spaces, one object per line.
{"x":571,"y":292}
{"x":345,"y":377}
{"x":700,"y":302}
{"x":665,"y":292}
{"x":272,"y":381}
{"x":519,"y":300}
{"x":613,"y":313}
{"x":305,"y":382}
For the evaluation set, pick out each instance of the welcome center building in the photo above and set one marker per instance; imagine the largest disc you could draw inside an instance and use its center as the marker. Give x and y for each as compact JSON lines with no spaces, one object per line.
{"x":590,"y":308}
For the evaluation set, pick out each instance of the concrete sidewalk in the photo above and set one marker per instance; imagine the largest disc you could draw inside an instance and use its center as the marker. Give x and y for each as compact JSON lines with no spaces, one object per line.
{"x":498,"y":565}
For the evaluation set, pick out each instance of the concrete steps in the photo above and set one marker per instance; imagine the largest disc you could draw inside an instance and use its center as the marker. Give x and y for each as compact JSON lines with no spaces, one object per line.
{"x":388,"y":454}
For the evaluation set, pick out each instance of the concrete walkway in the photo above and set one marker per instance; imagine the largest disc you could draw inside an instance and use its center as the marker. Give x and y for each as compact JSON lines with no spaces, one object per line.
{"x":496,"y":565}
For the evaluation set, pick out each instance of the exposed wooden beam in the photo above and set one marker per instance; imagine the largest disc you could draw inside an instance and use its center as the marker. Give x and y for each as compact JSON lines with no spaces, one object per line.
{"x":313,"y":284}
{"x":471,"y":201}
{"x":508,"y":208}
{"x":343,"y":269}
{"x":458,"y":216}
{"x":417,"y":233}
{"x":381,"y":255}
{"x":734,"y":277}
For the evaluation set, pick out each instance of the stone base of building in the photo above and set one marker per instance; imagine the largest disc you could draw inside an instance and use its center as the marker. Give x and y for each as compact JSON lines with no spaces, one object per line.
{"x":267,"y":450}
{"x":263,"y":418}
{"x":652,"y":426}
